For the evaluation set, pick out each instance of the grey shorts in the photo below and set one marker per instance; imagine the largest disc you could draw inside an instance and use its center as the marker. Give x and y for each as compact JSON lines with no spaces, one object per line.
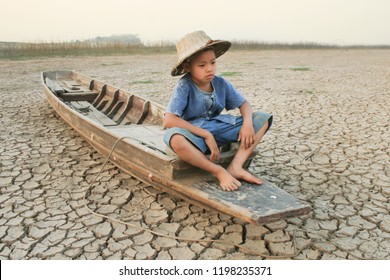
{"x":224,"y":133}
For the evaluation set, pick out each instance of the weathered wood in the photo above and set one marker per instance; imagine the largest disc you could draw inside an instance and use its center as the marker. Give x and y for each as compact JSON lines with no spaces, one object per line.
{"x":144,"y":112}
{"x":85,"y":108}
{"x":126,"y":110}
{"x":114,"y":101}
{"x":78,"y":96}
{"x":102,"y":93}
{"x":150,"y":136}
{"x":108,"y":98}
{"x":142,"y":153}
{"x":267,"y":199}
{"x":72,"y":85}
{"x":54,"y":86}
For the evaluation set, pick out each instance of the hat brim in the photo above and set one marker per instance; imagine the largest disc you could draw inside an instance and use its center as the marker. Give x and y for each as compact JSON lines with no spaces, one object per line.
{"x":219,"y":46}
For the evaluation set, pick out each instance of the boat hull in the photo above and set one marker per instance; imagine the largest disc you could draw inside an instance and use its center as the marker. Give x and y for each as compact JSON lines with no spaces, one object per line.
{"x":149,"y":163}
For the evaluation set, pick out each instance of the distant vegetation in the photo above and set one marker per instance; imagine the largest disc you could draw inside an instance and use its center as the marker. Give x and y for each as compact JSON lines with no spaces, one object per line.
{"x":300,"y":68}
{"x":131,"y":39}
{"x":99,"y":46}
{"x":255,"y":45}
{"x":228,"y":74}
{"x":34,"y":50}
{"x":129,"y":44}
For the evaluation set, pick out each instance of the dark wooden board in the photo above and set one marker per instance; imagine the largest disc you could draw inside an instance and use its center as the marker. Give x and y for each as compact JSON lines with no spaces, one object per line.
{"x":267,"y":202}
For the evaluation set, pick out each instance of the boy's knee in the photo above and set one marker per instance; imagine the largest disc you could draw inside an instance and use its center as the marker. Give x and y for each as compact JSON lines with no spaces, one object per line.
{"x":257,"y":116}
{"x":261,"y":120}
{"x":177,"y":142}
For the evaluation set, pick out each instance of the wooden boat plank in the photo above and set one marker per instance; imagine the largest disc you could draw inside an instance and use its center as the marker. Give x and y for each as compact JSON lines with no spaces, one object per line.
{"x":150,"y":135}
{"x":251,"y":203}
{"x":71,"y":86}
{"x":78,"y":96}
{"x":71,"y":83}
{"x":267,"y":202}
{"x":92,"y":113}
{"x":54,"y":86}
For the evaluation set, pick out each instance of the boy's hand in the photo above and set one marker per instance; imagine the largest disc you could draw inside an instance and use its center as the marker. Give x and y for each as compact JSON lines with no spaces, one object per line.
{"x":213,"y":147}
{"x":246,"y":135}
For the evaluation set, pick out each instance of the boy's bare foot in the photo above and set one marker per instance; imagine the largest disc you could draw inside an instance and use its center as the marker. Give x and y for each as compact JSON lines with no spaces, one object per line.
{"x":226,"y":180}
{"x":241,"y":174}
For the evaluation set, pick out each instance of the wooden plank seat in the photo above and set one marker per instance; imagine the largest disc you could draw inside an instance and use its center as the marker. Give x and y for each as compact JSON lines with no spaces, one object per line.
{"x":78,"y":96}
{"x":150,"y":136}
{"x":85,"y":108}
{"x":71,"y":91}
{"x":54,"y":86}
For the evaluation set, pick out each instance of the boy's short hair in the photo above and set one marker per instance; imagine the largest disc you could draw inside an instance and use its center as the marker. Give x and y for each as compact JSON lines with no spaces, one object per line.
{"x":188,"y":60}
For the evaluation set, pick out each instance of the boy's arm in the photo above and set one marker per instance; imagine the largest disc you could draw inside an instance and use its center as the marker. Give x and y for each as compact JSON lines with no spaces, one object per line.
{"x":171,"y":120}
{"x":247,"y":132}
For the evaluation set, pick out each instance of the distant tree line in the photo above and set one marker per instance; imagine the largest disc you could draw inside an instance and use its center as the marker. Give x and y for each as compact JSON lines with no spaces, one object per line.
{"x":127,"y":44}
{"x":124,"y":38}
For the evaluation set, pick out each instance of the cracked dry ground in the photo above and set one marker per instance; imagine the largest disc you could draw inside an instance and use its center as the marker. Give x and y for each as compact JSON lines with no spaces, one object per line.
{"x":329,"y":146}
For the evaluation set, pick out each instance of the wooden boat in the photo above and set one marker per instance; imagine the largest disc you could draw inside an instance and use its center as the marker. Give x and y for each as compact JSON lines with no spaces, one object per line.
{"x":103,"y":115}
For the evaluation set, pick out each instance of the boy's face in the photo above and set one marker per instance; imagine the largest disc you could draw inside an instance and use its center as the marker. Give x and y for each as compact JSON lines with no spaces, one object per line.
{"x":202,"y":67}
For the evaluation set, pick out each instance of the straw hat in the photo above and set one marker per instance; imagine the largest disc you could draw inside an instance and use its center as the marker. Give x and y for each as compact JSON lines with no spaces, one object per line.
{"x":195,"y":42}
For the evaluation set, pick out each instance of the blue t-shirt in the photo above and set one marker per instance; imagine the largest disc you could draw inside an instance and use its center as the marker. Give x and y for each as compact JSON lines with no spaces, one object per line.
{"x":193,"y":105}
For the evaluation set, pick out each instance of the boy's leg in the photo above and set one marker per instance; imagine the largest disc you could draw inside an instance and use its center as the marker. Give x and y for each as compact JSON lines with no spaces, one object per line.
{"x":189,"y":153}
{"x":235,"y":168}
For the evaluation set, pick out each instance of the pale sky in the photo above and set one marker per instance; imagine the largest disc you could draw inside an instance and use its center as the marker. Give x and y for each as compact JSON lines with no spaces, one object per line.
{"x":342,"y":22}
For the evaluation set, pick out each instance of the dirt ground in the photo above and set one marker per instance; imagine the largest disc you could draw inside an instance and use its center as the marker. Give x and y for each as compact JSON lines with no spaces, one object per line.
{"x":329,"y":146}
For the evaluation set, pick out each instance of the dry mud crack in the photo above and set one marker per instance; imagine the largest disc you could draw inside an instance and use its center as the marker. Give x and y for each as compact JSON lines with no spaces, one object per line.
{"x":329,"y":146}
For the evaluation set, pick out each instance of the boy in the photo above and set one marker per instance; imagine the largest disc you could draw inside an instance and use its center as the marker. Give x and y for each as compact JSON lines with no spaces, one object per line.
{"x":193,"y":116}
